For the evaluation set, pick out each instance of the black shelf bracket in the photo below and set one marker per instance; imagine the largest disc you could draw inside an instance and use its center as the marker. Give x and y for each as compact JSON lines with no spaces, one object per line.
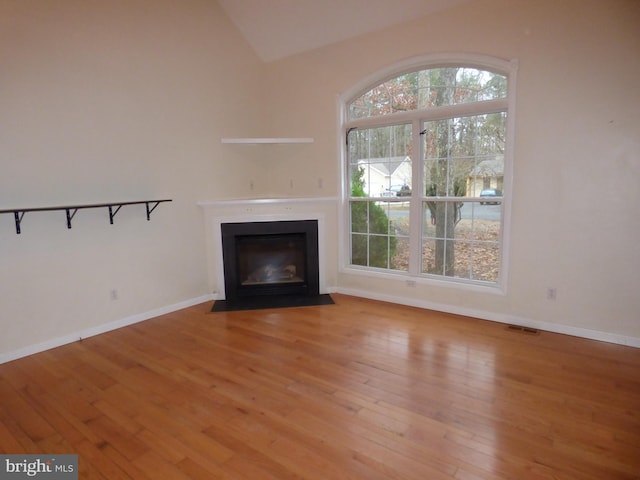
{"x":71,"y":210}
{"x":149,"y":210}
{"x":112,"y":212}
{"x":18,"y":217}
{"x":70,"y":216}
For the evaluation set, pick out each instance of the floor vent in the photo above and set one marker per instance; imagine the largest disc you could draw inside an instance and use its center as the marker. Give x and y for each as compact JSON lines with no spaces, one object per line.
{"x":521,"y":329}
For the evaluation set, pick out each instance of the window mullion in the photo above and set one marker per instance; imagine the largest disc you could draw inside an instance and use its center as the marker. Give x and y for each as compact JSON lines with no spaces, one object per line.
{"x":415,"y":209}
{"x":430,"y":114}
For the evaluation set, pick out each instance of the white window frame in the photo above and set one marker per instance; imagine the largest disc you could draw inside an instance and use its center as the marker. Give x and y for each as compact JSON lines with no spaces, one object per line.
{"x":508,"y":68}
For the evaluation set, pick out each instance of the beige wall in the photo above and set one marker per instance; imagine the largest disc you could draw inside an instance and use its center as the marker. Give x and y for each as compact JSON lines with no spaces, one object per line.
{"x":125,"y":100}
{"x":113,"y":101}
{"x":577,"y":152}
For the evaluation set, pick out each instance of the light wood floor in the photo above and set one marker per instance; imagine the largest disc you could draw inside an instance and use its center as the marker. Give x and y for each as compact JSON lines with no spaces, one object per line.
{"x":357,"y":390}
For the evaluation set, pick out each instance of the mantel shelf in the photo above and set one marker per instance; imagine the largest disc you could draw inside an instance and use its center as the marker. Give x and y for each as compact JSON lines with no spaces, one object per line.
{"x":267,"y":140}
{"x":71,"y":210}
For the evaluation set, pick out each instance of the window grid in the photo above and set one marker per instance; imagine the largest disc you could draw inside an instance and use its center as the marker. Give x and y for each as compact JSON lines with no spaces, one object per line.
{"x":459,"y":229}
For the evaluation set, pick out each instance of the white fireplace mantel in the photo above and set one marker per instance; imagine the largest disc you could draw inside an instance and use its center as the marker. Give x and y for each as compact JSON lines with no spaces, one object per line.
{"x":247,"y":202}
{"x":217,"y":212}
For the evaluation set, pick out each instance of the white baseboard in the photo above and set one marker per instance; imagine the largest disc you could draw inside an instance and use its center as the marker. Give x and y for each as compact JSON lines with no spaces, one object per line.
{"x":494,"y":317}
{"x":500,"y":318}
{"x":90,"y":332}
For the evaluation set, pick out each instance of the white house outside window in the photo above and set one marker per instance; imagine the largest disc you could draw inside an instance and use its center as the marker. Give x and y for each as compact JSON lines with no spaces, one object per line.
{"x":427,"y":169}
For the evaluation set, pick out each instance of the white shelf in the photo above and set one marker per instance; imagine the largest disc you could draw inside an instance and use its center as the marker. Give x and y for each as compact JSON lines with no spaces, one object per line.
{"x":267,"y":140}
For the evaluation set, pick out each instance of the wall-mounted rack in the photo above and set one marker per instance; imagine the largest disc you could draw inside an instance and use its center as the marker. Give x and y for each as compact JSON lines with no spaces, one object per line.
{"x":267,"y":140}
{"x":71,"y":210}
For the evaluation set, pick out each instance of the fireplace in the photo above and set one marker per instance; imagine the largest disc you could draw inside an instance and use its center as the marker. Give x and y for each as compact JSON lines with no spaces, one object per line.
{"x":270,"y":259}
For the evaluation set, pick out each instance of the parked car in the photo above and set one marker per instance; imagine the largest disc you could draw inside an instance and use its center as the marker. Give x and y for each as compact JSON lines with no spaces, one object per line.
{"x":491,"y":193}
{"x":397,"y":191}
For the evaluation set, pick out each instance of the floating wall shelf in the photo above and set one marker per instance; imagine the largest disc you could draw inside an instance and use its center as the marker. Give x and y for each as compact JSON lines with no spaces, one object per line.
{"x":71,"y":210}
{"x":267,"y":140}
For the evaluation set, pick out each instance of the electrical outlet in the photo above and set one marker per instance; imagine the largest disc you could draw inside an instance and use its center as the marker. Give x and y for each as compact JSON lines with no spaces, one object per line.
{"x":552,"y":293}
{"x":113,"y":294}
{"x":411,"y":283}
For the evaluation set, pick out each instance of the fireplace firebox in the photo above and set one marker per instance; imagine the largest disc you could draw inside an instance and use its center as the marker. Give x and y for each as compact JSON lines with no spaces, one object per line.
{"x":270,"y":259}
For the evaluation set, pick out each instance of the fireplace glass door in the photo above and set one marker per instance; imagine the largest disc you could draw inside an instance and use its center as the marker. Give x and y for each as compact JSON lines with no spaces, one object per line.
{"x":270,"y":259}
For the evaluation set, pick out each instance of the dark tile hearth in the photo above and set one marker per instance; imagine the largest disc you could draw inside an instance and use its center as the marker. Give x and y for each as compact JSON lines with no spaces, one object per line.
{"x":271,"y":301}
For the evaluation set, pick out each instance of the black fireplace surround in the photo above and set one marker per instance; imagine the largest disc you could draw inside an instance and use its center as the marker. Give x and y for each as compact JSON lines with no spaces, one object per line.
{"x":270,"y":259}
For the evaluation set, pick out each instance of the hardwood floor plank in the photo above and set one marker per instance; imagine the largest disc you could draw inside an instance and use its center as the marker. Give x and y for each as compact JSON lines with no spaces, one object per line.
{"x":356,"y":390}
{"x":157,"y":466}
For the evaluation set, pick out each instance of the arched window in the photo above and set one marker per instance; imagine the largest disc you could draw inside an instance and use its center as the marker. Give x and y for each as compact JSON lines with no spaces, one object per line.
{"x":427,"y":161}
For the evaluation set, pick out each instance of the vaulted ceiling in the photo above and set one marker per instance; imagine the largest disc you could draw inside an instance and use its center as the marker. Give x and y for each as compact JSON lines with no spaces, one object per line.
{"x":279,"y":28}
